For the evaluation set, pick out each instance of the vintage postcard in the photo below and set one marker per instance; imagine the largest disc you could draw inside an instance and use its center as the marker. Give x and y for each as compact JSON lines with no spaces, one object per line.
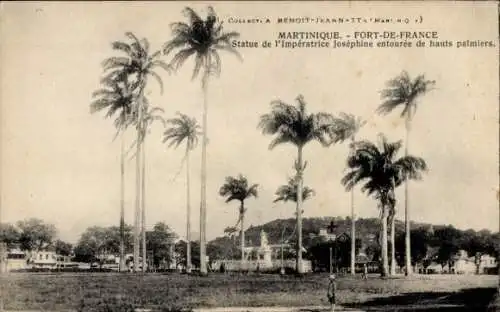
{"x":249,"y":156}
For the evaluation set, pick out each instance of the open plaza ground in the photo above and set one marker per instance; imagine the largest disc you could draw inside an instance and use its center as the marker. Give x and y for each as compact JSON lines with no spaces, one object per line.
{"x":179,"y":292}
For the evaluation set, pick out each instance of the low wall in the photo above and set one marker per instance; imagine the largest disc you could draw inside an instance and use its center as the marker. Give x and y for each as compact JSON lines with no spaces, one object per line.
{"x":258,"y":265}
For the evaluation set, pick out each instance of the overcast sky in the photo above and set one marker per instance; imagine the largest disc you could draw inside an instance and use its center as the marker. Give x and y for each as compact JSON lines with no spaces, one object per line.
{"x":58,"y":162}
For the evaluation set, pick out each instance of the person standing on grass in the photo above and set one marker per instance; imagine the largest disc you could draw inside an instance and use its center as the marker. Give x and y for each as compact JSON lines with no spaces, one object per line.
{"x":332,"y":289}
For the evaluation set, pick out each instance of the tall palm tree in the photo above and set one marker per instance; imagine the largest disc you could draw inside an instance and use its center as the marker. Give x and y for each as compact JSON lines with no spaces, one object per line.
{"x":184,"y":128}
{"x":201,"y":39}
{"x":136,"y":66}
{"x":403,"y":91}
{"x":346,"y":126}
{"x":292,"y":124}
{"x":389,"y":201}
{"x":117,"y":97}
{"x":381,"y":171}
{"x":150,"y":115}
{"x":238,"y":188}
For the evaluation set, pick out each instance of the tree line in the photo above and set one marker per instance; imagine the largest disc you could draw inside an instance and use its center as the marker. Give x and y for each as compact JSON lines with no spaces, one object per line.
{"x":431,"y":244}
{"x":32,"y":235}
{"x":163,"y":245}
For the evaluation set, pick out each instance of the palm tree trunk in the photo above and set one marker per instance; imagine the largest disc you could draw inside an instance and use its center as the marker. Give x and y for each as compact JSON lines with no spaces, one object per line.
{"x":408,"y":271}
{"x":353,"y":231}
{"x":137,"y":191}
{"x":282,"y":270}
{"x":3,"y":262}
{"x":353,"y":236}
{"x":203,"y":197}
{"x":384,"y":242}
{"x":188,"y":217}
{"x":122,"y":203}
{"x":143,"y":203}
{"x":299,"y":211}
{"x":242,"y":234}
{"x":393,"y":247}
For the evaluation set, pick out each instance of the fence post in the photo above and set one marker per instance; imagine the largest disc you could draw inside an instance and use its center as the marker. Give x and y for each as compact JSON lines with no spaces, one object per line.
{"x":330,"y":261}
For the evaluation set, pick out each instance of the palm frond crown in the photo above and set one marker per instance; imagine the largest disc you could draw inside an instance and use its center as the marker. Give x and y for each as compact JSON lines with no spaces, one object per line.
{"x":345,"y":127}
{"x":378,"y":167}
{"x":289,"y":191}
{"x":182,"y":128}
{"x":292,"y":124}
{"x":403,"y":92}
{"x":238,"y":188}
{"x":201,"y":38}
{"x":230,"y":230}
{"x":115,"y":96}
{"x":150,"y":115}
{"x":137,"y":64}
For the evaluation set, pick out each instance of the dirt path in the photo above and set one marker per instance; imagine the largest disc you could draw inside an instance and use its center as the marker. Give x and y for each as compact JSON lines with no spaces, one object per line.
{"x":277,"y":309}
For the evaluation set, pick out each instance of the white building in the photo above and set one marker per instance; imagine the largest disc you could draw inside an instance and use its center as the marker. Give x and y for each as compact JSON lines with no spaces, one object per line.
{"x":323,"y":233}
{"x":21,"y":260}
{"x":16,"y":260}
{"x":110,"y":262}
{"x":43,"y":260}
{"x":487,"y":263}
{"x":434,"y":268}
{"x":463,"y":264}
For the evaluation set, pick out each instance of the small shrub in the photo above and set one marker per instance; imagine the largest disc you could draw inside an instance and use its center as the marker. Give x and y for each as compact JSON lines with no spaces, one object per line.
{"x":175,"y":309}
{"x":106,"y":305}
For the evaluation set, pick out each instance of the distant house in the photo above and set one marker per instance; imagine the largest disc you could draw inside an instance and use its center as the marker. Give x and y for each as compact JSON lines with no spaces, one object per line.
{"x":109,"y":262}
{"x":16,"y":260}
{"x":434,"y":268}
{"x":49,"y":259}
{"x":463,"y":264}
{"x":43,"y":260}
{"x":64,"y":262}
{"x":323,"y":234}
{"x":488,"y":264}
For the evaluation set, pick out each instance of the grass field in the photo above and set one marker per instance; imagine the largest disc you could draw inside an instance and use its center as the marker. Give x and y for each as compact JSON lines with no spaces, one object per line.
{"x":122,"y":292}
